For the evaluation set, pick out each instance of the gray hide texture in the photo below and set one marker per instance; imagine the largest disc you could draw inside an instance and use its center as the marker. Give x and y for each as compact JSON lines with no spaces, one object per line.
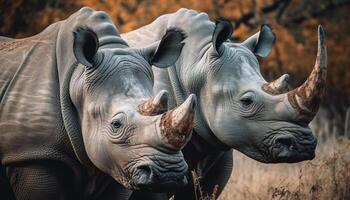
{"x":38,"y":122}
{"x":237,"y":108}
{"x":51,"y":107}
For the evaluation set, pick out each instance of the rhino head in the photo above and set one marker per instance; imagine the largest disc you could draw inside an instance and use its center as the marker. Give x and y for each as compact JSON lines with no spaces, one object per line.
{"x":127,"y":132}
{"x":263,"y":120}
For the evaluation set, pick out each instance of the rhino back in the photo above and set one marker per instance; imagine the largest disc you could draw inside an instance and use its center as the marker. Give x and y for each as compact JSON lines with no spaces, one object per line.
{"x":31,"y":126}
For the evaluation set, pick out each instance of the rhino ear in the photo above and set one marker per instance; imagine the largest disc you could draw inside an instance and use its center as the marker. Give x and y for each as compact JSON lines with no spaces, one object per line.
{"x":85,"y":46}
{"x":222,"y":32}
{"x":168,"y":50}
{"x":262,"y":42}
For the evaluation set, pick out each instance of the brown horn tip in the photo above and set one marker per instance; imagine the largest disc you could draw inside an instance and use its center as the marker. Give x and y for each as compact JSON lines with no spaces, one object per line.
{"x":155,"y":106}
{"x":176,"y":125}
{"x":307,"y":98}
{"x":278,"y":86}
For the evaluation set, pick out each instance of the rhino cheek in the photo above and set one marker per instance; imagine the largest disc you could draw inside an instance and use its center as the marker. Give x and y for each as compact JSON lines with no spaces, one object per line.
{"x":99,"y":154}
{"x":243,"y":135}
{"x":102,"y":152}
{"x":227,"y":130}
{"x":115,"y":160}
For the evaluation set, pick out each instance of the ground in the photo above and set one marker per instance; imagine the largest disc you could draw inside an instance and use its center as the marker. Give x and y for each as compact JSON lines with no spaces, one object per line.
{"x":325,"y":177}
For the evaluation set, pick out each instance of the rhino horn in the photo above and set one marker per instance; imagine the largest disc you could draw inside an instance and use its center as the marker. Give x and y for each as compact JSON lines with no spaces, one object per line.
{"x":278,"y":86}
{"x":176,"y":125}
{"x":306,"y":98}
{"x":155,"y":106}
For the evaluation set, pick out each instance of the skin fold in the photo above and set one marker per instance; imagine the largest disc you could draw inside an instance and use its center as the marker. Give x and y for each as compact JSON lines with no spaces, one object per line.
{"x":79,"y":119}
{"x":237,"y":108}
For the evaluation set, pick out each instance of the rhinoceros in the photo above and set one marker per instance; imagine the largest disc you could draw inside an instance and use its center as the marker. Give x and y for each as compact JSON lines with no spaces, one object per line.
{"x":237,"y":108}
{"x":78,"y":119}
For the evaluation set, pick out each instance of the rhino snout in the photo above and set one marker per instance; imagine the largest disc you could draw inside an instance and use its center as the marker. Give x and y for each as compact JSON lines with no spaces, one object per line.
{"x":290,"y":149}
{"x":149,"y":177}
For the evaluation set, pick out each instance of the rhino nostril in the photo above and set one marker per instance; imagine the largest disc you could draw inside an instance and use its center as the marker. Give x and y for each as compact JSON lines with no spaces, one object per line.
{"x":145,"y":169}
{"x":286,"y":141}
{"x":145,"y":176}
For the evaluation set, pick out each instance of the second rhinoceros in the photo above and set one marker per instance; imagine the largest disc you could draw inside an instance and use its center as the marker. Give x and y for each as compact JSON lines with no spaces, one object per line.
{"x":237,"y":108}
{"x":78,"y":114}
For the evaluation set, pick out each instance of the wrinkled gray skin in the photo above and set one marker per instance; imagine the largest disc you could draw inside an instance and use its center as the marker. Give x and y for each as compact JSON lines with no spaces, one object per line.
{"x":69,"y":116}
{"x":235,"y":111}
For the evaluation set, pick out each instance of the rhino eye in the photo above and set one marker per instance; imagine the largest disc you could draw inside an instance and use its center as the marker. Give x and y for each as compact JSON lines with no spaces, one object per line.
{"x":117,"y":124}
{"x":246,"y":101}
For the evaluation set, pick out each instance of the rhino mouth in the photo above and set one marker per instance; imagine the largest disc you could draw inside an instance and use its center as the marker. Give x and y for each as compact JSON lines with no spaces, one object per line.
{"x":293,"y":146}
{"x":160,"y":174}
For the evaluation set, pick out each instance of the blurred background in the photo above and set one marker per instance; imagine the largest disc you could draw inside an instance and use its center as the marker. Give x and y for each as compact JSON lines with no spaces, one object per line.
{"x":295,"y":24}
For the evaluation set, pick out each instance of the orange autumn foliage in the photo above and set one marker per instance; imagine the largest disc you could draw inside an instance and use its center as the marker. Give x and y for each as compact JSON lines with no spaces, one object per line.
{"x":294,"y":52}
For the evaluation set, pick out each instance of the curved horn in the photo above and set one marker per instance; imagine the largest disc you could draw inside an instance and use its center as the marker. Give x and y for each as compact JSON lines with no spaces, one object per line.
{"x":155,"y":106}
{"x":278,"y":86}
{"x":306,"y":98}
{"x":176,"y":125}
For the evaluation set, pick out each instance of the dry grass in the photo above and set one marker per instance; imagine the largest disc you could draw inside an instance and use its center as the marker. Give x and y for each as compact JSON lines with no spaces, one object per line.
{"x":200,"y":194}
{"x":325,"y":177}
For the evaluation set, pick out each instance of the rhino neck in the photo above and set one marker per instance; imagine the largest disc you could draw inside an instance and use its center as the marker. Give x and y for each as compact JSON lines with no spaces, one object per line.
{"x":187,"y":76}
{"x":204,"y":148}
{"x":181,"y":86}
